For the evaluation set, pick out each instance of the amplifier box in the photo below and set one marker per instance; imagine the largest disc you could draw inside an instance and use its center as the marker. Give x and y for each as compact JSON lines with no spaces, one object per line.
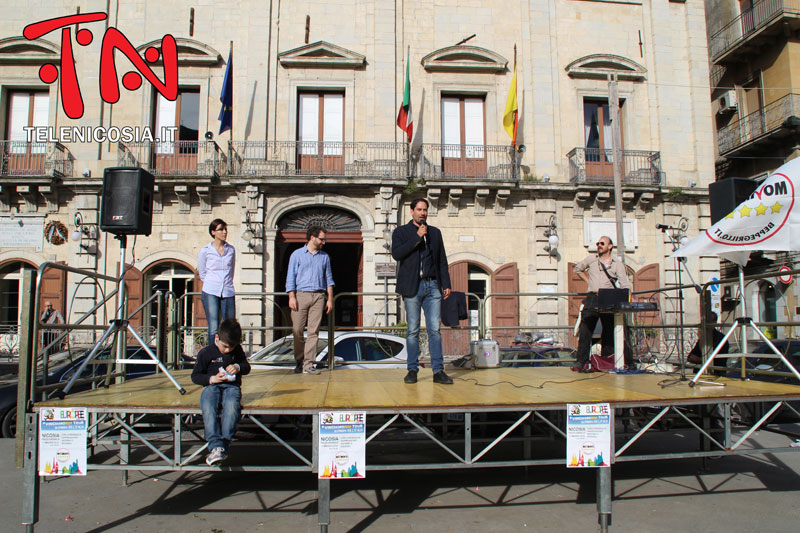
{"x":485,"y":354}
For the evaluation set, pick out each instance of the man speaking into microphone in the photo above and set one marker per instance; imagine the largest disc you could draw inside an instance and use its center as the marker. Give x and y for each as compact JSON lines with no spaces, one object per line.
{"x":423,"y":281}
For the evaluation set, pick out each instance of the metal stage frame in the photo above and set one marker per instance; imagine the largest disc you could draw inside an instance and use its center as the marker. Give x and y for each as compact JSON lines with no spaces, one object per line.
{"x":122,"y":437}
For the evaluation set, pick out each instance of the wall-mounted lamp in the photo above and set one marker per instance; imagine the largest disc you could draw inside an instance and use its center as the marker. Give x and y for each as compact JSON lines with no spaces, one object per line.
{"x":253,"y":234}
{"x":85,"y":234}
{"x":552,"y":237}
{"x":387,"y":239}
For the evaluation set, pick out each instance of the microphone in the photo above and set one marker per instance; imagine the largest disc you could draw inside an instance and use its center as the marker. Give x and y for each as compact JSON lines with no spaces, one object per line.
{"x":663,"y":226}
{"x":424,"y":222}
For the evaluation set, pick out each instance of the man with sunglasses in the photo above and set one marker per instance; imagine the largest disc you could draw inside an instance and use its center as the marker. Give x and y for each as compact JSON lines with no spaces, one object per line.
{"x":601,"y":271}
{"x":308,"y":279}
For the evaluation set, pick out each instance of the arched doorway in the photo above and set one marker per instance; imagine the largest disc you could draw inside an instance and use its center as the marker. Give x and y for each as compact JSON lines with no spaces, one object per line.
{"x":344,"y":246}
{"x":11,"y":295}
{"x":177,"y":278}
{"x":474,"y":278}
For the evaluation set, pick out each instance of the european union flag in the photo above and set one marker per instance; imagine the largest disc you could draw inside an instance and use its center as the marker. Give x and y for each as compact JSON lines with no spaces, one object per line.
{"x":226,"y":97}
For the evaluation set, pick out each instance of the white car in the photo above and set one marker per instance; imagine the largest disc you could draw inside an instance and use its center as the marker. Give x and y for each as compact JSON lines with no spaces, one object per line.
{"x":359,"y":349}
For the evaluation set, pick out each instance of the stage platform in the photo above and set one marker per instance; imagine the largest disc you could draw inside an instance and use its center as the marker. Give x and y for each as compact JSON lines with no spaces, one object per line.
{"x":504,"y":417}
{"x":279,"y":391}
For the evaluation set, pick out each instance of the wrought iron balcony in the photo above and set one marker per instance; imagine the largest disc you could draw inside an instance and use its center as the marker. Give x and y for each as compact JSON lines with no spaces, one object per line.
{"x":175,"y":158}
{"x":759,"y":127}
{"x":758,"y":23}
{"x":319,"y":159}
{"x":35,"y":159}
{"x":465,"y":162}
{"x":596,"y":165}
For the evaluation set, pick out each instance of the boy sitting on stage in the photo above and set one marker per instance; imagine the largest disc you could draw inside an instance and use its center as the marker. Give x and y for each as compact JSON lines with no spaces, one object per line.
{"x":219,"y":369}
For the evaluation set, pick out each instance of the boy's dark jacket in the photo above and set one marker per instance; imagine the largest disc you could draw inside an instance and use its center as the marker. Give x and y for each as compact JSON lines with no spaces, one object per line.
{"x":210,"y":359}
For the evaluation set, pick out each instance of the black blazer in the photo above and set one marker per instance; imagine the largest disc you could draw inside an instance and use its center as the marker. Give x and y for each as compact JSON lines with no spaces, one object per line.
{"x":406,"y":245}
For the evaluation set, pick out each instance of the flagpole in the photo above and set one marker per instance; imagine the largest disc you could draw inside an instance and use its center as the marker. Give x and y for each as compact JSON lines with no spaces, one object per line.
{"x":230,"y":56}
{"x":516,"y":112}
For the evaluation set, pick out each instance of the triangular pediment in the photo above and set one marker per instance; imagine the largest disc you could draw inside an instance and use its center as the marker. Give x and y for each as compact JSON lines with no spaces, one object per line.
{"x":321,"y":54}
{"x":462,"y":58}
{"x":19,"y":50}
{"x":190,"y":52}
{"x":599,"y":66}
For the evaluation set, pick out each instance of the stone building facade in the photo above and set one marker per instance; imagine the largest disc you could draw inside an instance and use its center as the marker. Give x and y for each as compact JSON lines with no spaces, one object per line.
{"x":754,"y":51}
{"x":317,"y":87}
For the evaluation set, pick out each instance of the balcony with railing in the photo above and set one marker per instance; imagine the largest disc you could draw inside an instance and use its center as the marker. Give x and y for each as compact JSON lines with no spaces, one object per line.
{"x":35,"y":159}
{"x":596,"y":166}
{"x":303,"y":159}
{"x":761,"y":127}
{"x":754,"y":27}
{"x":465,"y":162}
{"x":174,"y":158}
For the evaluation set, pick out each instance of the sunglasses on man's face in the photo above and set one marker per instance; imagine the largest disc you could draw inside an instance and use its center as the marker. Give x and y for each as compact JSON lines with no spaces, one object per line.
{"x":601,"y":243}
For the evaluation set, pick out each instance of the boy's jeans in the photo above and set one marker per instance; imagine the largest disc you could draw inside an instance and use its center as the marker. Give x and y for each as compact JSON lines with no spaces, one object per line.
{"x":220,"y":429}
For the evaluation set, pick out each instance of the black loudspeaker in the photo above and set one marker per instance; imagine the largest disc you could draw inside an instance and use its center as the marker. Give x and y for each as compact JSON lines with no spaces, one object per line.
{"x":126,"y":206}
{"x":725,"y":195}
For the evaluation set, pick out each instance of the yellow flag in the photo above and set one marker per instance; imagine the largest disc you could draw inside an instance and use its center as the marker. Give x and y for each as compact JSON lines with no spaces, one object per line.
{"x":510,"y":114}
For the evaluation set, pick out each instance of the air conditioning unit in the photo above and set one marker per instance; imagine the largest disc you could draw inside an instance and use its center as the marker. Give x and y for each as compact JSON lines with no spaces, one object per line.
{"x":727,"y":102}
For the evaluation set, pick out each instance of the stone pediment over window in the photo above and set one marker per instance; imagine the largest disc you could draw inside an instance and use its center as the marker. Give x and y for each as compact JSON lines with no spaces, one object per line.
{"x":190,"y":52}
{"x":321,"y":54}
{"x":598,"y":66}
{"x":462,"y":58}
{"x":21,"y":51}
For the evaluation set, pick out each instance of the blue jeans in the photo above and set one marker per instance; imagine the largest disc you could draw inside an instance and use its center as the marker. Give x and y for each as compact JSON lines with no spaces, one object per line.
{"x":220,"y":429}
{"x":217,"y":309}
{"x":429,"y":299}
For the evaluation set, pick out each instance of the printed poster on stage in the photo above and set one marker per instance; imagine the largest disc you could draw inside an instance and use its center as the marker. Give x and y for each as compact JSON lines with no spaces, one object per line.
{"x":588,"y":435}
{"x":342,"y":444}
{"x":62,"y":441}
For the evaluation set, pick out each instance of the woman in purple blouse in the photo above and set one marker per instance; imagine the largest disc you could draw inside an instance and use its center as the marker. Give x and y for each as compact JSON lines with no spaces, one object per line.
{"x":215,"y":264}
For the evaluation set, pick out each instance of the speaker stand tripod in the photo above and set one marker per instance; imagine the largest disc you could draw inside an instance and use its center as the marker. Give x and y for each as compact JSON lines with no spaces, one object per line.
{"x":118,"y":328}
{"x":744,"y":322}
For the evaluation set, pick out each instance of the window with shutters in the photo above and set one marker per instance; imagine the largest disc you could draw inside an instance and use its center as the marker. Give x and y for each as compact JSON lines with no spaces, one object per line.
{"x":463,"y":136}
{"x":320,"y":132}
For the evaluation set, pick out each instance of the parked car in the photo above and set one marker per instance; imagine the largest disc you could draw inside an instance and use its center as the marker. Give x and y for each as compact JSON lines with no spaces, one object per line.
{"x":362,"y":349}
{"x":790,"y":348}
{"x":63,"y":366}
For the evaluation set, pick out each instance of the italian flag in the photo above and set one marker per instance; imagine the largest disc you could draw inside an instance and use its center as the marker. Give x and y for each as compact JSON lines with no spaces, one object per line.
{"x":405,"y":120}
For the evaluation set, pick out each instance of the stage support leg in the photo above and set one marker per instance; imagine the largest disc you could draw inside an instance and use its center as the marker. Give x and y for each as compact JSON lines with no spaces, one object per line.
{"x":30,"y":476}
{"x":124,"y":450}
{"x":324,"y":504}
{"x":177,"y":436}
{"x":604,"y":498}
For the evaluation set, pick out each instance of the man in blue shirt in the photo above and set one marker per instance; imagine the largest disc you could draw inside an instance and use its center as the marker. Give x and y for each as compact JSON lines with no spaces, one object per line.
{"x":307,"y":281}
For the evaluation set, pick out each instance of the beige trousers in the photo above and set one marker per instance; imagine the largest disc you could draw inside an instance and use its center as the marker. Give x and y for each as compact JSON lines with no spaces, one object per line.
{"x":310,"y":306}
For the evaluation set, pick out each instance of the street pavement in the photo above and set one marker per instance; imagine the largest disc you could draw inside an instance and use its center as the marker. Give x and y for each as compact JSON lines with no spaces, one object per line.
{"x":731,"y":494}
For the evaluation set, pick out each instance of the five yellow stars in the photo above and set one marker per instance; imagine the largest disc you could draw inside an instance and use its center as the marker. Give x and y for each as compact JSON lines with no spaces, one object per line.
{"x":761,"y":209}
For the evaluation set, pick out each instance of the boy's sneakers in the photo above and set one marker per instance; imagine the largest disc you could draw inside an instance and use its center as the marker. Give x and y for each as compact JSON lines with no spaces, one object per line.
{"x":217,"y":455}
{"x":311,"y":370}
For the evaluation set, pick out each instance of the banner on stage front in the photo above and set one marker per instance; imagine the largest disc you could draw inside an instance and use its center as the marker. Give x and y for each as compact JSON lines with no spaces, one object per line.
{"x":588,"y":435}
{"x":342,"y":444}
{"x":62,"y":441}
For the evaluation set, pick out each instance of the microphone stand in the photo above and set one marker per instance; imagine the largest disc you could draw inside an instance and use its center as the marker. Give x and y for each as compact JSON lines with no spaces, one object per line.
{"x":682,"y":265}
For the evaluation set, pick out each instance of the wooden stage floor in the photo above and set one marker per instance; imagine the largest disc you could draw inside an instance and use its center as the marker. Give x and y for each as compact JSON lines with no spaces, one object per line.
{"x":266,"y":391}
